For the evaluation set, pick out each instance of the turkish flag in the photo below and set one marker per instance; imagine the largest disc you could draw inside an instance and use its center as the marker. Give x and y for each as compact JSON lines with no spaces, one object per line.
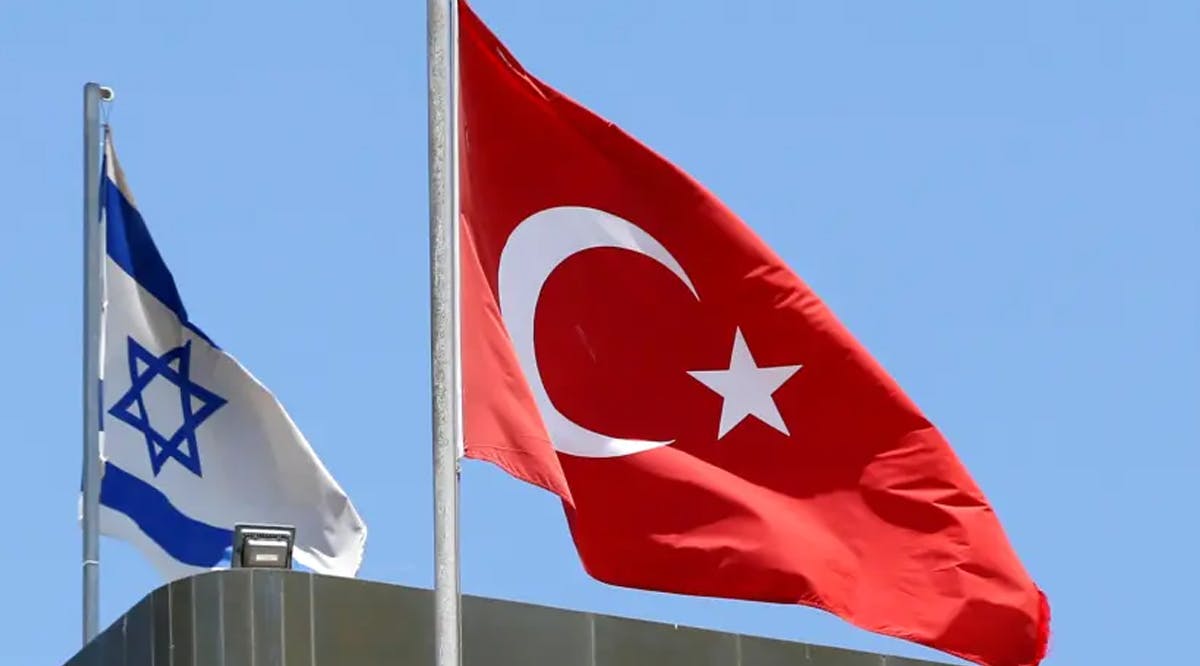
{"x":631,"y":345}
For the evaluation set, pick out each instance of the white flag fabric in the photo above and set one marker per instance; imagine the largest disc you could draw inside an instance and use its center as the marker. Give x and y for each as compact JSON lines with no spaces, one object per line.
{"x":192,"y":443}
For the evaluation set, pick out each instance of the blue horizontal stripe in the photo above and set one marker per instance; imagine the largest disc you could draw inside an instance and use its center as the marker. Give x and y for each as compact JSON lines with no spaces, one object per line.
{"x":131,"y":247}
{"x":183,"y":538}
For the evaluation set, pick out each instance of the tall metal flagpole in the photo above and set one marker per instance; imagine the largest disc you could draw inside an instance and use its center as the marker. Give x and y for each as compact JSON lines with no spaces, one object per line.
{"x":93,"y":247}
{"x":443,"y":329}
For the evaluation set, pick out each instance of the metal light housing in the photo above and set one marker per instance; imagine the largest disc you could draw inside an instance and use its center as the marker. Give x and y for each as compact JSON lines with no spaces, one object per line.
{"x":263,"y":546}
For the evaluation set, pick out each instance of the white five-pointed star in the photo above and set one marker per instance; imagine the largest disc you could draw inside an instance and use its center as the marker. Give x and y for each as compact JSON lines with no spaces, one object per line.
{"x":746,"y":388}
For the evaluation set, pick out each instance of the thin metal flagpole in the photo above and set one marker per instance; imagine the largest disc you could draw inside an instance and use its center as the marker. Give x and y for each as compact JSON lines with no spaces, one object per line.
{"x":443,"y":330}
{"x":455,"y":227}
{"x":93,"y":247}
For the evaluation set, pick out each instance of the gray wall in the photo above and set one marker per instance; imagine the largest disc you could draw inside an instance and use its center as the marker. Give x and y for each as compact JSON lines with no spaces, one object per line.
{"x":286,"y":618}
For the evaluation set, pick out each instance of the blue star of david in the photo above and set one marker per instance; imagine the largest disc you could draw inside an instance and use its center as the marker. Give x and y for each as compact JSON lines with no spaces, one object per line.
{"x":197,"y":403}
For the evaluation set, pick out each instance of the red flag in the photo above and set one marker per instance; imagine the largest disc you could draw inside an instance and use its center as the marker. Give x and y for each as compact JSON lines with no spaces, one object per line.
{"x":631,"y":345}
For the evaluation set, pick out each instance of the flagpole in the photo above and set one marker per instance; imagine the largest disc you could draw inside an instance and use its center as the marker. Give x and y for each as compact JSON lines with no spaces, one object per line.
{"x":443,"y":330}
{"x":93,"y":245}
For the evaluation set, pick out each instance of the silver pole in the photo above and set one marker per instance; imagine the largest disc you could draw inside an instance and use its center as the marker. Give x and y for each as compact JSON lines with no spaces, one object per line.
{"x":443,"y":316}
{"x":455,"y":217}
{"x":93,"y":247}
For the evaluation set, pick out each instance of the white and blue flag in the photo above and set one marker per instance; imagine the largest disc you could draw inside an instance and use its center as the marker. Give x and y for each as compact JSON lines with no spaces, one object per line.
{"x":192,"y":443}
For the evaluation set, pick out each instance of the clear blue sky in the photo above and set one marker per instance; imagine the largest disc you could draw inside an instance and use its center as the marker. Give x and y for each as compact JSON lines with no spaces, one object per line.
{"x":1001,"y":200}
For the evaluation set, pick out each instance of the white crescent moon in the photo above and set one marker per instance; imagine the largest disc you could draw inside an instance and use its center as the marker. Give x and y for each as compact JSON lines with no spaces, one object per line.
{"x":536,"y":247}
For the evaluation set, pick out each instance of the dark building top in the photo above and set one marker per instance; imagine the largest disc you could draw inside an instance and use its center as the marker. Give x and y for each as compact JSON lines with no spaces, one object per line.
{"x":286,"y":618}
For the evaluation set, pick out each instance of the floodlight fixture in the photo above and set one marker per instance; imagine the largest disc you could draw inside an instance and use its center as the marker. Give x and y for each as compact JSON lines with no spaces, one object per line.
{"x":260,"y":546}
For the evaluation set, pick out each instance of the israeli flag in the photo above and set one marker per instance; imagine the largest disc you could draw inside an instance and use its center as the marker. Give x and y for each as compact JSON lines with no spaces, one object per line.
{"x":192,"y":443}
